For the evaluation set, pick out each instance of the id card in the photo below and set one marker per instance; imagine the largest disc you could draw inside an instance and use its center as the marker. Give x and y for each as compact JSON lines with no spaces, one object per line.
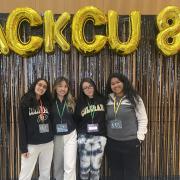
{"x":116,"y":124}
{"x":61,"y":128}
{"x":92,"y":128}
{"x":43,"y":128}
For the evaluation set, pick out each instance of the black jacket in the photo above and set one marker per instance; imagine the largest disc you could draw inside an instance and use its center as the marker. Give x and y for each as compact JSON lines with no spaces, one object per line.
{"x":68,"y":117}
{"x":83,"y":115}
{"x":29,"y":126}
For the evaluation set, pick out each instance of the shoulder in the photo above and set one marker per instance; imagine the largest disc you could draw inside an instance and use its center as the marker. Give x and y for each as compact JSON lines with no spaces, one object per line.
{"x":100,"y":99}
{"x":53,"y":101}
{"x":139,"y":104}
{"x":80,"y":103}
{"x":25,"y":102}
{"x":110,"y":99}
{"x":138,"y":100}
{"x":25,"y":99}
{"x":79,"y":100}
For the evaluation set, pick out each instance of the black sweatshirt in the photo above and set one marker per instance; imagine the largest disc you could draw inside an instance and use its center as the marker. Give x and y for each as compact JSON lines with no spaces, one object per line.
{"x":83,"y":115}
{"x":68,"y":117}
{"x":29,"y":122}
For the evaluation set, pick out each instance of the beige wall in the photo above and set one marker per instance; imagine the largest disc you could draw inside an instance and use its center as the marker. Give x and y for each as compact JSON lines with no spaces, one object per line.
{"x":121,"y":6}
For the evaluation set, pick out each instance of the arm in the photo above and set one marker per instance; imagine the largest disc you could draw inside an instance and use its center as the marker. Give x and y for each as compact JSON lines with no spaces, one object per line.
{"x":51,"y":119}
{"x":77,"y":115}
{"x":22,"y":130}
{"x":142,"y":119}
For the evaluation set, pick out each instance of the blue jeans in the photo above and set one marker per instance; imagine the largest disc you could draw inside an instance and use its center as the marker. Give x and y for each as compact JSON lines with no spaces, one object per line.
{"x":91,"y":150}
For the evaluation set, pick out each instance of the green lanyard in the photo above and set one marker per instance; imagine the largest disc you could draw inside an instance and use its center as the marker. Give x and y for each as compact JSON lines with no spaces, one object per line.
{"x":92,"y":110}
{"x":61,"y":112}
{"x":116,"y":108}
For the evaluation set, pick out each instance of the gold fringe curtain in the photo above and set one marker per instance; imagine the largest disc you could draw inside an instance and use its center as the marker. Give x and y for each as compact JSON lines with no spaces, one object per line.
{"x":156,"y":77}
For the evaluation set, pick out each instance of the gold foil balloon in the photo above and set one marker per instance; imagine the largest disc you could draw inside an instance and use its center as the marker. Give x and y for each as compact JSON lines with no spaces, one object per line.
{"x":4,"y":49}
{"x":58,"y":29}
{"x":49,"y":31}
{"x":13,"y":24}
{"x":54,"y":31}
{"x":78,"y":24}
{"x":134,"y":33}
{"x":168,"y":21}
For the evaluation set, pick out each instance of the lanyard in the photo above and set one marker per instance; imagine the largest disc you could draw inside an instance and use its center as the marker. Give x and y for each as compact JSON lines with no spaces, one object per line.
{"x":116,"y":108}
{"x":41,"y":111}
{"x":61,"y":112}
{"x":92,"y":110}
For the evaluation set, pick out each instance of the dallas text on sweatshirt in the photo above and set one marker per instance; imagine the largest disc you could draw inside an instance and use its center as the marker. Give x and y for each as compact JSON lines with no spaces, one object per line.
{"x":133,"y":119}
{"x":83,"y":115}
{"x":29,"y":126}
{"x":67,"y":117}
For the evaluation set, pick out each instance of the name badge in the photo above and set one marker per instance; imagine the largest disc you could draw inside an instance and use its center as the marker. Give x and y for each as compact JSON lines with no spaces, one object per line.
{"x":43,"y":128}
{"x":61,"y":128}
{"x":116,"y":124}
{"x":92,"y":128}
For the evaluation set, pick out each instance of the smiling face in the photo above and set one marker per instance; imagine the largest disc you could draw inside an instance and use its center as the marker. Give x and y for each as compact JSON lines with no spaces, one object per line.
{"x":88,"y":89}
{"x":40,"y":88}
{"x":62,"y":89}
{"x":117,"y":87}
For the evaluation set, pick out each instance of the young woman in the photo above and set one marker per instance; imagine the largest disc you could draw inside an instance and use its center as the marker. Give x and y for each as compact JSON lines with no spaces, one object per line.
{"x":90,"y":117}
{"x":35,"y":130}
{"x":126,"y":128}
{"x":65,"y":141}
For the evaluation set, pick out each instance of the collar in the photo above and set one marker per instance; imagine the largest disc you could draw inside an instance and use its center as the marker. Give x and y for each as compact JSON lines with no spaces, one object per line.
{"x":112,"y":96}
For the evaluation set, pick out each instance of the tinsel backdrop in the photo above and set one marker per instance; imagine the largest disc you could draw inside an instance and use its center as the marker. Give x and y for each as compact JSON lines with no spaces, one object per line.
{"x":156,"y":77}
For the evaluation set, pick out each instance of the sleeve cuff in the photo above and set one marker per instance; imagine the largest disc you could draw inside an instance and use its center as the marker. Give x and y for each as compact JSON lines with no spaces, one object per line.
{"x":141,"y":137}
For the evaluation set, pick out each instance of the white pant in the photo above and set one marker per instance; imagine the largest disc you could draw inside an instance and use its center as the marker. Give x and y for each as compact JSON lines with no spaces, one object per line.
{"x":65,"y":150}
{"x":42,"y":151}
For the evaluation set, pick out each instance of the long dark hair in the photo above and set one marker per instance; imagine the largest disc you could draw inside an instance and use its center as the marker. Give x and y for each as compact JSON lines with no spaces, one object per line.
{"x":29,"y":98}
{"x":82,"y":96}
{"x":128,"y":89}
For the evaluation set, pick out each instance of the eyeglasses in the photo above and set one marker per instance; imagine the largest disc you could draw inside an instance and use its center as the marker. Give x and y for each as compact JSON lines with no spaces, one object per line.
{"x":87,"y":88}
{"x":42,"y":85}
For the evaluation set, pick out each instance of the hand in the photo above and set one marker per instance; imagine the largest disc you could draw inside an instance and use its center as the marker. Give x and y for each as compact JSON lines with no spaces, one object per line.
{"x":25,"y":155}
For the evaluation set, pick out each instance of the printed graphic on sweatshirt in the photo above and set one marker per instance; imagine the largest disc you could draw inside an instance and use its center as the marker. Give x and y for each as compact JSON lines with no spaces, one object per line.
{"x":91,"y":108}
{"x":36,"y":111}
